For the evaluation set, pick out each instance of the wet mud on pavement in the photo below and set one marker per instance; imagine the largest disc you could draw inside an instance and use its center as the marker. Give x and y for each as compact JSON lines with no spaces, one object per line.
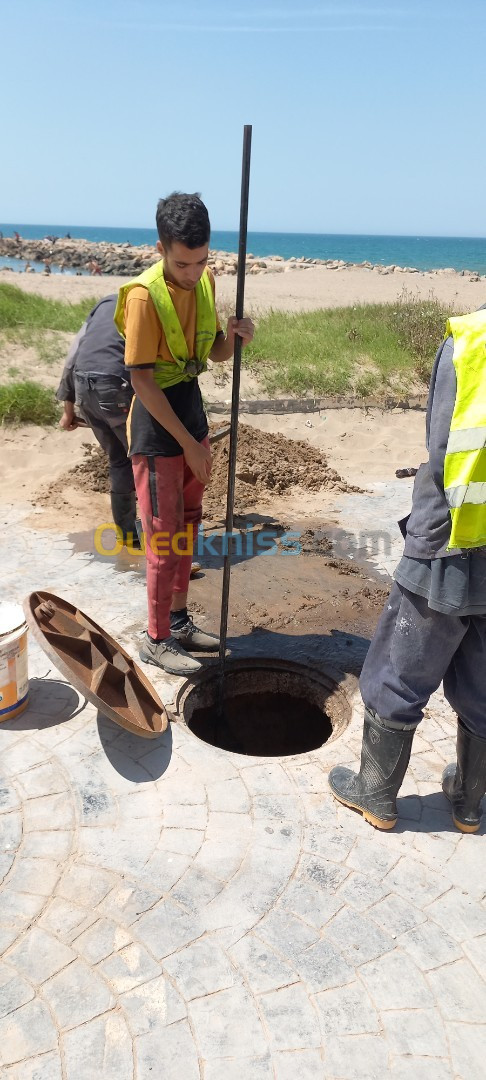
{"x":290,"y":594}
{"x":298,"y":588}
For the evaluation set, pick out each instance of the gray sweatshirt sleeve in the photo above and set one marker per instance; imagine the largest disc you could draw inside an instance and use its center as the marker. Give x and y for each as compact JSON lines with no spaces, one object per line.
{"x":65,"y":390}
{"x":440,"y":410}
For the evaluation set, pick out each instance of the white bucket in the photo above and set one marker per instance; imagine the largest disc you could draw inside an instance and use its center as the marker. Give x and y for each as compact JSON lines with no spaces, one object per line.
{"x":14,"y":676}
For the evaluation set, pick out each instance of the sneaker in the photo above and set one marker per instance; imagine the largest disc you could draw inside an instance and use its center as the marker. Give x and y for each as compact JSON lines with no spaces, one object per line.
{"x":168,"y":655}
{"x":191,"y":637}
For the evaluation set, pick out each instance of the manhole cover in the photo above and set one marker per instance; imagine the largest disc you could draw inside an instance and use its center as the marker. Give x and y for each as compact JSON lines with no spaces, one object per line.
{"x":95,"y":664}
{"x":272,"y":708}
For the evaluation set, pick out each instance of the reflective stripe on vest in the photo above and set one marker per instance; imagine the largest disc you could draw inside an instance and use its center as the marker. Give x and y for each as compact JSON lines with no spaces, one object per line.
{"x":182,"y":367}
{"x":465,"y":460}
{"x":467,"y":439}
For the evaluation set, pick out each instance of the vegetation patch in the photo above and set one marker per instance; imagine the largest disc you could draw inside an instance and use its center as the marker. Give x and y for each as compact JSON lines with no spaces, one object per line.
{"x":27,"y":403}
{"x":364,"y":350}
{"x":33,"y":321}
{"x":31,"y":311}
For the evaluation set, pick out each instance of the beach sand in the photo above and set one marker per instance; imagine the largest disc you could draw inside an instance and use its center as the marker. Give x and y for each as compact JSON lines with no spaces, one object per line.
{"x":293,"y":290}
{"x":362,"y":444}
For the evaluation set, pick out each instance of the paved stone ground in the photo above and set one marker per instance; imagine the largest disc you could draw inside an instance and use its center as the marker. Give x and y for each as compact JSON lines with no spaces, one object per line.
{"x":173,"y":912}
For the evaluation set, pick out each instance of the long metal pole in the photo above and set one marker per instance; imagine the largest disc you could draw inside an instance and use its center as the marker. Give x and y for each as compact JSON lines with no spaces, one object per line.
{"x":235,"y":400}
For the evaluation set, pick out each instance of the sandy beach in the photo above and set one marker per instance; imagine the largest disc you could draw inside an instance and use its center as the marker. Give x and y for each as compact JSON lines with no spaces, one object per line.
{"x":295,"y":290}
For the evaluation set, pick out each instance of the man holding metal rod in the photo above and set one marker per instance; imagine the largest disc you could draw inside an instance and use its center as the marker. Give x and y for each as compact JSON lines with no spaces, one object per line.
{"x":169,"y":320}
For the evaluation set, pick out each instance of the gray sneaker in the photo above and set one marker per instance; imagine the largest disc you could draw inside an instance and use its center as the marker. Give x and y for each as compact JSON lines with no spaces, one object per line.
{"x":168,"y":655}
{"x":191,"y":637}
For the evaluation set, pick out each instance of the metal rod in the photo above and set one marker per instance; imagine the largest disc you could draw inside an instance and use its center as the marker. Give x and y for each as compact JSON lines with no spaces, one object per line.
{"x":235,"y":402}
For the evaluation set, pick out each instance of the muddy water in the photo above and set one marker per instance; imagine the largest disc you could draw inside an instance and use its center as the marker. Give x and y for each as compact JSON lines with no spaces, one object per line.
{"x":306,"y":604}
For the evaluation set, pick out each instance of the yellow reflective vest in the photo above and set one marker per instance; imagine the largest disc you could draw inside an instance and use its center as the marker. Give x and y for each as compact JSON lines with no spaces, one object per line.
{"x":465,"y":460}
{"x":182,"y":367}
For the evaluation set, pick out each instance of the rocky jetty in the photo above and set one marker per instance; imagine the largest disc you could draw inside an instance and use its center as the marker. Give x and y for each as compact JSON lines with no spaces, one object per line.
{"x":127,"y":260}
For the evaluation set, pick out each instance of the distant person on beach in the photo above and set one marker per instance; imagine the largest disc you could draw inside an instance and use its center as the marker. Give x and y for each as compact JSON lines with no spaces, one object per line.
{"x":433,"y":626}
{"x":169,"y":319}
{"x":67,"y":236}
{"x":94,"y":267}
{"x":47,"y":266}
{"x":28,"y":269}
{"x":16,"y":236}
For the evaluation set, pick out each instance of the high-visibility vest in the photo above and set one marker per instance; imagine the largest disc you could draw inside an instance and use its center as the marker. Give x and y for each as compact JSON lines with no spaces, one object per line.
{"x":182,"y":367}
{"x":465,"y":460}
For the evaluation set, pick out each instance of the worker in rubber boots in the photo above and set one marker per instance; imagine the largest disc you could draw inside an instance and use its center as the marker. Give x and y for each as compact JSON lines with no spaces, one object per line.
{"x":433,"y":627}
{"x":169,"y":320}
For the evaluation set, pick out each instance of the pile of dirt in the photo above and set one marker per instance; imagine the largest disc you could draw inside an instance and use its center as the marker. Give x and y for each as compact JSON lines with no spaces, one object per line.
{"x":92,"y":474}
{"x":267,"y":465}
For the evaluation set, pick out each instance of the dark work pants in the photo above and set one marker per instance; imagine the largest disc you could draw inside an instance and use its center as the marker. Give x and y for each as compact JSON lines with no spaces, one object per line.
{"x":413,"y":650}
{"x":104,"y":402}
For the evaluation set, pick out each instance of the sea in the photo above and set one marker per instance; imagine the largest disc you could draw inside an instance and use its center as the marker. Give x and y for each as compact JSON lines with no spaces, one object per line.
{"x":422,"y":252}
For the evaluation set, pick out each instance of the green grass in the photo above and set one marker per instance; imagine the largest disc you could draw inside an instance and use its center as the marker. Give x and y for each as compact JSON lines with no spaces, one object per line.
{"x":368,"y":350}
{"x":32,"y":321}
{"x":21,"y":309}
{"x":27,"y":403}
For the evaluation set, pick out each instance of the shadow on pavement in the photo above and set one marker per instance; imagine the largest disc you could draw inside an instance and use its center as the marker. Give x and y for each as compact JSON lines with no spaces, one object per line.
{"x":343,"y":650}
{"x":133,"y":757}
{"x":51,"y":702}
{"x":429,"y":814}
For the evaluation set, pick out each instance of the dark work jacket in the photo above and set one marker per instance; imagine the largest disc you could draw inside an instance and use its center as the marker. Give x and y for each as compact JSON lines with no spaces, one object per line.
{"x":98,"y":349}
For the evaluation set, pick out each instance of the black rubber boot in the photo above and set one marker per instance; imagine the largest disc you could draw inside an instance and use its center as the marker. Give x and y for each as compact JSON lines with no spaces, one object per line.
{"x":385,"y":755}
{"x":465,"y":782}
{"x":124,"y":510}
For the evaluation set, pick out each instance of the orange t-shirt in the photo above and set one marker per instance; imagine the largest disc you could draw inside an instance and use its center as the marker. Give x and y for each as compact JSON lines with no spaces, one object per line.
{"x":144,"y":342}
{"x":145,"y":338}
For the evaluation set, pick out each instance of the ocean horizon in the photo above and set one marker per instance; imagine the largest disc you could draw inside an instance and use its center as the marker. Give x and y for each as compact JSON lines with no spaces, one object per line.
{"x":421,"y":252}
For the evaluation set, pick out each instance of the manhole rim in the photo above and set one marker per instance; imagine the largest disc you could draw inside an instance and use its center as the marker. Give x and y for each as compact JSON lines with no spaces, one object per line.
{"x":339,"y":684}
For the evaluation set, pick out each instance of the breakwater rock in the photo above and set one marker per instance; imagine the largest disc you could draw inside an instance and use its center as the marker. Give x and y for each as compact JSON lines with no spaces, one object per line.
{"x":127,"y":260}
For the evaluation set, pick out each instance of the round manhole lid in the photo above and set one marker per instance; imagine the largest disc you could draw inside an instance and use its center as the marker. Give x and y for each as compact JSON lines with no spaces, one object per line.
{"x":95,"y":664}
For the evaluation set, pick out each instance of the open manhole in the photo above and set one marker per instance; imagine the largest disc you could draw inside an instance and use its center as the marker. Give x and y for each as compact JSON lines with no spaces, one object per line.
{"x":272,"y":708}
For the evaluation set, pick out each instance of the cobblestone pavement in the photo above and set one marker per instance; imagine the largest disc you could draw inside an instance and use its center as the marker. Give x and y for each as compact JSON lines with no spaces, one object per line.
{"x":173,"y":912}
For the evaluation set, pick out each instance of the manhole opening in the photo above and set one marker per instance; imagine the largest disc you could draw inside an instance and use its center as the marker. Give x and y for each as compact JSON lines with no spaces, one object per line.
{"x":268,"y":712}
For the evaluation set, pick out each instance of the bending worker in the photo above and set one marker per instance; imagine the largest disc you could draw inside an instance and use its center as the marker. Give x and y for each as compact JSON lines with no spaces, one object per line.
{"x":433,"y":626}
{"x":94,"y":377}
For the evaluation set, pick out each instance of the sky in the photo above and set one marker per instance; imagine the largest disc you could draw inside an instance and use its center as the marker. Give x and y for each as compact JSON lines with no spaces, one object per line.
{"x":367,"y":116}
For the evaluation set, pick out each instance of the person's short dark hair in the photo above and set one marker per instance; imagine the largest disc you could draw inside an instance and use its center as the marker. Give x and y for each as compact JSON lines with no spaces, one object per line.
{"x":182,"y":219}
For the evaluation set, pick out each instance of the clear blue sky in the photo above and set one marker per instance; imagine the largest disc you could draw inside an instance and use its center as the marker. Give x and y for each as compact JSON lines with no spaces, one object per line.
{"x":367,"y":116}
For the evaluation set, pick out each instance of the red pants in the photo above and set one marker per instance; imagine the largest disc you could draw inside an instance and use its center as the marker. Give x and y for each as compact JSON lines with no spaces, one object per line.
{"x":170,"y":501}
